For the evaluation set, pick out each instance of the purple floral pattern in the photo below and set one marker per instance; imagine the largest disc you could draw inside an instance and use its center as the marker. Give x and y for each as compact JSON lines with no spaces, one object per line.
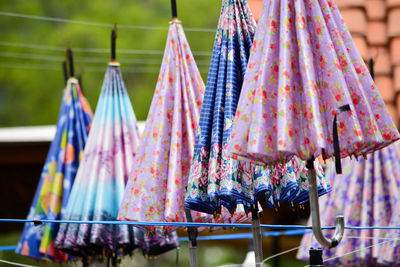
{"x":367,"y":194}
{"x":157,"y":184}
{"x":303,"y":67}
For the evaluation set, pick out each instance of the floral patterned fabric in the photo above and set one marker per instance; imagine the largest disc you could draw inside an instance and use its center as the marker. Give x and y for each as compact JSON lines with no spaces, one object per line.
{"x":389,"y":253}
{"x":367,"y":194}
{"x":58,"y":176}
{"x":157,"y":185}
{"x":215,"y":179}
{"x":102,"y":175}
{"x":303,"y":69}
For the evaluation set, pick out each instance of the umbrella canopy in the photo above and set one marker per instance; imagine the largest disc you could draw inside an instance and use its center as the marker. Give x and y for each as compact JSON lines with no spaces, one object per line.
{"x":389,"y":253}
{"x":215,"y":179}
{"x":101,"y":178}
{"x":157,"y":185}
{"x":57,"y":176}
{"x":308,"y":88}
{"x":367,"y":194}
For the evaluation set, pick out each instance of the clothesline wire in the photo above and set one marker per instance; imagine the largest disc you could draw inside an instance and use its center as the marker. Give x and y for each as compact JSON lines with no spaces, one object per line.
{"x":83,"y":69}
{"x":357,"y":250}
{"x":99,"y":24}
{"x":352,"y":252}
{"x":332,"y":258}
{"x":95,"y":50}
{"x":280,"y":253}
{"x":142,"y":61}
{"x":176,"y":224}
{"x":16,"y":263}
{"x":143,"y":27}
{"x":194,"y":224}
{"x":86,"y":69}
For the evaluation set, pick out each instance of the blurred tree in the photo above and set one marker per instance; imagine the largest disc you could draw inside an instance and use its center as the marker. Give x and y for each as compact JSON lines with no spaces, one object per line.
{"x":31,"y":80}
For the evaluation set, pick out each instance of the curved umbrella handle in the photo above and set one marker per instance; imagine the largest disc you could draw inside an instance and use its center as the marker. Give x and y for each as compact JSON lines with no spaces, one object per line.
{"x":314,"y":207}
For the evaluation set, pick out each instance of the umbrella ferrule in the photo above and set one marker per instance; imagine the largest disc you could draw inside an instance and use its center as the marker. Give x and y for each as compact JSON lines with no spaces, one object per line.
{"x":113,"y":38}
{"x":174,"y":9}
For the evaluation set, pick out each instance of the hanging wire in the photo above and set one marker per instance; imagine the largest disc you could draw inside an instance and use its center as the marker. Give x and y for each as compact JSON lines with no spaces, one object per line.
{"x":143,"y":27}
{"x":99,"y":24}
{"x":357,"y":250}
{"x":16,"y":263}
{"x":102,"y":60}
{"x":86,"y":69}
{"x":280,"y":254}
{"x":95,"y":50}
{"x":8,"y":65}
{"x":372,"y":238}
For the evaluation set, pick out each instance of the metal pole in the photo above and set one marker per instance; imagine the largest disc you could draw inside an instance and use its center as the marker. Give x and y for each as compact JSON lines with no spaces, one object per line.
{"x":256,"y":229}
{"x":192,"y":232}
{"x":276,"y":250}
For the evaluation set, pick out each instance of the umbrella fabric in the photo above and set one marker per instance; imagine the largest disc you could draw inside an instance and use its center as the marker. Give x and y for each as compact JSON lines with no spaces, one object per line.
{"x":389,"y":253}
{"x":304,"y":71}
{"x":101,"y":178}
{"x":215,"y":179}
{"x":157,"y":185}
{"x":367,"y":194}
{"x":57,"y":176}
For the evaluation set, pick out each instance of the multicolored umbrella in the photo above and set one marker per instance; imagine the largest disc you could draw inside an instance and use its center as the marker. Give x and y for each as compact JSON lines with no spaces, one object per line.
{"x":367,"y":193}
{"x":102,"y":176}
{"x":58,"y":176}
{"x":156,"y":188}
{"x":308,"y":77}
{"x":215,"y":179}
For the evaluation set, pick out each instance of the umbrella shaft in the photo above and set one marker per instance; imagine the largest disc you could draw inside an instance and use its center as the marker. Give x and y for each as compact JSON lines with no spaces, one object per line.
{"x":193,"y":255}
{"x":256,"y":229}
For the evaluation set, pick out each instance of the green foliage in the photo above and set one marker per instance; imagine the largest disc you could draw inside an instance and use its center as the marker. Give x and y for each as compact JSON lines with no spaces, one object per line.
{"x":31,"y":96}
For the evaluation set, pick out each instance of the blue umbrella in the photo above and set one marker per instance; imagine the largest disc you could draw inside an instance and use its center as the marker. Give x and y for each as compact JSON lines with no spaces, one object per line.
{"x":58,"y":175}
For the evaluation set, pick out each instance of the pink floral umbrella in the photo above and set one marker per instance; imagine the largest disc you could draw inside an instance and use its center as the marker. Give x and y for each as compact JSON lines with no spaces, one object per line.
{"x":307,"y":73}
{"x":314,"y":95}
{"x":157,"y":184}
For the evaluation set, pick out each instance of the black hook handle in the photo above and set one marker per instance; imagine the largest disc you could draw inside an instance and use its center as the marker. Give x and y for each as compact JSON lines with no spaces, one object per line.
{"x":65,"y":71}
{"x":70,"y":62}
{"x":371,"y":68}
{"x":113,"y":38}
{"x":173,"y":9}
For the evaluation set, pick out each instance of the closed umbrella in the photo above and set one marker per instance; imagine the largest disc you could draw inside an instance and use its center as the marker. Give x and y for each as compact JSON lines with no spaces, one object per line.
{"x":58,"y":174}
{"x":314,"y":95}
{"x":215,"y":179}
{"x":102,"y":176}
{"x":157,"y":185}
